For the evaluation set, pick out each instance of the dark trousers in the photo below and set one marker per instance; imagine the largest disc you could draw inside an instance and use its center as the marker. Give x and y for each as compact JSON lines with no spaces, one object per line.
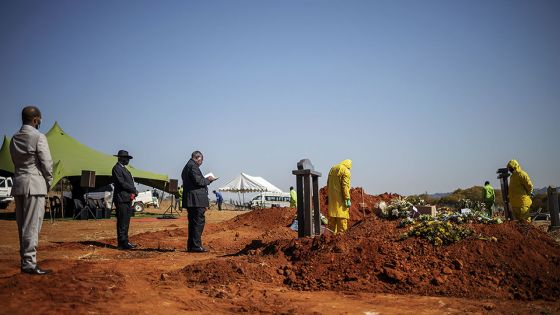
{"x":196,"y":226}
{"x":219,"y":205}
{"x":124,"y":212}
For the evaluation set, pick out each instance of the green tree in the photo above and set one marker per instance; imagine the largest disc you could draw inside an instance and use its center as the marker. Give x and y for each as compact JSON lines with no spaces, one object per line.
{"x":429,"y":200}
{"x":499,"y":201}
{"x":474,"y":193}
{"x":540,"y":201}
{"x":450,"y":200}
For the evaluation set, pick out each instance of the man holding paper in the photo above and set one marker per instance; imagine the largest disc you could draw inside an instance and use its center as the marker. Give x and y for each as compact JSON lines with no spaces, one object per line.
{"x":195,"y":200}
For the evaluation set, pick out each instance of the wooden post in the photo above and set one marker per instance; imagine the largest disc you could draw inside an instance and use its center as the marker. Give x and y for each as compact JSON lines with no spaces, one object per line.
{"x":62,"y":198}
{"x":308,"y":212}
{"x":317,"y":213}
{"x":552,"y":196}
{"x":503,"y":175}
{"x":300,"y":205}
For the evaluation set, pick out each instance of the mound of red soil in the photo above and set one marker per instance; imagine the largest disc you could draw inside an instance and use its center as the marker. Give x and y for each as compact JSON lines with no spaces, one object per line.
{"x":371,"y":257}
{"x":264,"y":218}
{"x":522,"y":264}
{"x":225,"y":272}
{"x":357,"y":196}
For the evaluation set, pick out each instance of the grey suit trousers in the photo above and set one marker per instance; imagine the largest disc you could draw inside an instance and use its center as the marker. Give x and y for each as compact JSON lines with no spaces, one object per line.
{"x":30,"y":211}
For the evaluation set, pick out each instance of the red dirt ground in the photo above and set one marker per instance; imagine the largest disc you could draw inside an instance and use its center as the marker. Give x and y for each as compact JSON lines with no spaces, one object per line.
{"x":357,"y":196}
{"x":257,"y":265}
{"x":370,"y":258}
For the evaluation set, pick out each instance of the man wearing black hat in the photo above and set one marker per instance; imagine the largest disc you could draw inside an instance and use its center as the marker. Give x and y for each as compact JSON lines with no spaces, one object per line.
{"x":123,"y":195}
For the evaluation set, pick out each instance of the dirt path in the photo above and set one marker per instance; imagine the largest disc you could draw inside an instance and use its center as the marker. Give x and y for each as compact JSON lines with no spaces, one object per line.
{"x":159,"y":277}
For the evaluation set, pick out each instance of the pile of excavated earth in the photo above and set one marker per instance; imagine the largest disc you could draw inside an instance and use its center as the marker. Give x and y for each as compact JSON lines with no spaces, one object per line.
{"x":520,"y":262}
{"x":358,"y":197}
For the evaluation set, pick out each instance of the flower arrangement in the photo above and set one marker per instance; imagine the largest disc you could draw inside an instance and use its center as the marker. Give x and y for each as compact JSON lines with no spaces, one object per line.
{"x":438,"y":232}
{"x":470,"y":204}
{"x":398,"y":208}
{"x":445,"y":228}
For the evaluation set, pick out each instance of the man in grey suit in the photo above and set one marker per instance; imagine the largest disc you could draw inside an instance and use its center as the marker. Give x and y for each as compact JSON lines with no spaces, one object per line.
{"x":32,"y":180}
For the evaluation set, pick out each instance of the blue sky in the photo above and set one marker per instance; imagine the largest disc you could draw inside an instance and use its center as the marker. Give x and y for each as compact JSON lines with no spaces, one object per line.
{"x":421,"y":95}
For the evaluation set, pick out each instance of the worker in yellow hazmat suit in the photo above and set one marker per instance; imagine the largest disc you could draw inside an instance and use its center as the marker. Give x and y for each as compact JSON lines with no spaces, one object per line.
{"x":520,"y":191}
{"x":293,"y":198}
{"x":488,"y":197}
{"x":338,"y":187}
{"x":179,"y":198}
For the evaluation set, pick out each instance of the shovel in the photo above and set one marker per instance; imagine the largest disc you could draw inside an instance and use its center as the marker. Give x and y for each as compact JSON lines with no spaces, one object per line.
{"x":363,"y":206}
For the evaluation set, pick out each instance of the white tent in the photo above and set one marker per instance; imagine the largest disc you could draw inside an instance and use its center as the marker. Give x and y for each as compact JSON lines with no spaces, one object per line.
{"x":248,"y":184}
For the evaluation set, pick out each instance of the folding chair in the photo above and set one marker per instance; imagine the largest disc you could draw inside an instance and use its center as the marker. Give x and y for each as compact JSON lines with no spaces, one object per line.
{"x":56,"y":206}
{"x":80,"y":211}
{"x":95,"y":210}
{"x":48,"y":208}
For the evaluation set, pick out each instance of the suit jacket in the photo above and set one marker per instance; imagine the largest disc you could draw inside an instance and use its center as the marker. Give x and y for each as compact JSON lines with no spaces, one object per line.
{"x":195,"y":187}
{"x":124,"y":183}
{"x":32,"y":162}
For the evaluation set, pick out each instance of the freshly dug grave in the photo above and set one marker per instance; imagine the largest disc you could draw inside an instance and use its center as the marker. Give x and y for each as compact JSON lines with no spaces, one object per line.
{"x":372,"y":257}
{"x":521,"y":264}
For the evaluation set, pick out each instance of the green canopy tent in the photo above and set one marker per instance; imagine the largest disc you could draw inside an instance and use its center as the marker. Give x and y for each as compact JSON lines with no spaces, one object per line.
{"x":6,"y":165}
{"x":70,"y":157}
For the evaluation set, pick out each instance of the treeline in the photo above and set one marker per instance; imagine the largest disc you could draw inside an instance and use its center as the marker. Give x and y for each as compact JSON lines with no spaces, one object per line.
{"x":475,"y":193}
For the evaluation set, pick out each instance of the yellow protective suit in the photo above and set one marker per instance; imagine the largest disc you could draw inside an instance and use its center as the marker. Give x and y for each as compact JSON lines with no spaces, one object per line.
{"x":520,"y":189}
{"x":338,"y":190}
{"x":293,"y":198}
{"x":179,"y":200}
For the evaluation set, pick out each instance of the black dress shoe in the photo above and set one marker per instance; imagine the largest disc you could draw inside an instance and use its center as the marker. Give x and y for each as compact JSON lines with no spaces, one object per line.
{"x":197,"y":250}
{"x":36,"y":271}
{"x":125,"y":247}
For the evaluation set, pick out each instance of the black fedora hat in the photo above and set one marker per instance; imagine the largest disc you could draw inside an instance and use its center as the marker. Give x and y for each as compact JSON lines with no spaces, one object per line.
{"x":123,"y":154}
